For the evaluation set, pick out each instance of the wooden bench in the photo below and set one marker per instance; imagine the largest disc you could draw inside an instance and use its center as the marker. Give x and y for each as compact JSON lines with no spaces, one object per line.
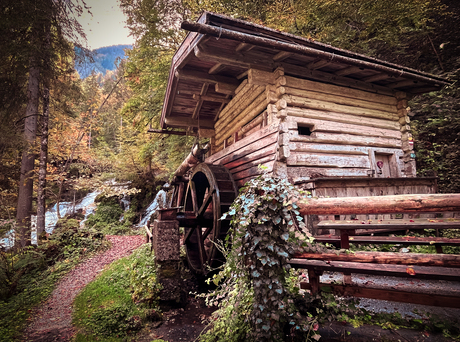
{"x":407,"y":265}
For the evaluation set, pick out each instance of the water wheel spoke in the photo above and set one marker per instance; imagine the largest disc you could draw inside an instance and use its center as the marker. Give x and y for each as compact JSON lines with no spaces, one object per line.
{"x":194,"y":198}
{"x":201,"y":249}
{"x":206,"y":202}
{"x":188,"y":234}
{"x":206,"y":232}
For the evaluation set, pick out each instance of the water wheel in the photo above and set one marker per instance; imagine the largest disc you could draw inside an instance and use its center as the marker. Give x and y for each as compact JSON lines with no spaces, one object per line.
{"x":210,"y":192}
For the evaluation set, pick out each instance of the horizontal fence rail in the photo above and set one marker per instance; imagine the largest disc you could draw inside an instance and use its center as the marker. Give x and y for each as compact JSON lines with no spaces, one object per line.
{"x":379,"y":204}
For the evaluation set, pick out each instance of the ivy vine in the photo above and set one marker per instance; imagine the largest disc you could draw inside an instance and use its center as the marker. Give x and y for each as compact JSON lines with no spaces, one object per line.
{"x":256,"y":282}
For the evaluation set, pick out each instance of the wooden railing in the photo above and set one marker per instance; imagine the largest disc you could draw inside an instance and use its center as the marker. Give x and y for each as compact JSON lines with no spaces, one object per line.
{"x":406,"y":265}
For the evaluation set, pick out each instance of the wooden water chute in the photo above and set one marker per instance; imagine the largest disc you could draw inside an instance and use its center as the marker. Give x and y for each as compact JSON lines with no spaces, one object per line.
{"x":331,"y":121}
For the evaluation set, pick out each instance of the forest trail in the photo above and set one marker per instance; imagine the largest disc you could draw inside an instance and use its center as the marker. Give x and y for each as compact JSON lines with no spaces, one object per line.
{"x":52,"y":320}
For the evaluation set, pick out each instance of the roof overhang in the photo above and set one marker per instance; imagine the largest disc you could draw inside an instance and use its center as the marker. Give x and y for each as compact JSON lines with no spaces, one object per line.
{"x":217,"y":54}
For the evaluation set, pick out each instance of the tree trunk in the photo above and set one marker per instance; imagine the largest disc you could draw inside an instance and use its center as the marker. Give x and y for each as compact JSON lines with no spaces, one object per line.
{"x":41,"y":207}
{"x":28,"y":156}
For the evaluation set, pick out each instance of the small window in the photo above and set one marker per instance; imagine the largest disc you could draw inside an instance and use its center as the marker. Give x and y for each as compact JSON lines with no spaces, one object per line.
{"x":304,"y":130}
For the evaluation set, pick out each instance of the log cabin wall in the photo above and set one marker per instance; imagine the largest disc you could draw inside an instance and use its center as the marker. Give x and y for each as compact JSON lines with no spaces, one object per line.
{"x":246,"y":135}
{"x":334,"y":131}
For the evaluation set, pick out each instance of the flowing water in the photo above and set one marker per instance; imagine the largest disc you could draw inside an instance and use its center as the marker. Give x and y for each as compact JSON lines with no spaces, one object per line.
{"x":158,"y":202}
{"x":86,"y":204}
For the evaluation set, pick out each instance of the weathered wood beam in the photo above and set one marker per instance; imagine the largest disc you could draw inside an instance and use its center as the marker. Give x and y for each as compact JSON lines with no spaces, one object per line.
{"x":165,"y":131}
{"x":235,"y":60}
{"x":379,"y":204}
{"x":211,"y":98}
{"x":402,"y":84}
{"x":317,"y":64}
{"x":199,"y":103}
{"x":188,"y":122}
{"x":376,"y":78}
{"x":389,"y":294}
{"x":347,"y":71}
{"x":193,"y":75}
{"x":243,"y":47}
{"x":443,"y":260}
{"x":281,"y":56}
{"x":216,"y":69}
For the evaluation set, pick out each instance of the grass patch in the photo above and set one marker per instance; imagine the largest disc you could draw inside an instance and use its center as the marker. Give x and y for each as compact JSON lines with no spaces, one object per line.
{"x":28,"y":276}
{"x":117,"y":304}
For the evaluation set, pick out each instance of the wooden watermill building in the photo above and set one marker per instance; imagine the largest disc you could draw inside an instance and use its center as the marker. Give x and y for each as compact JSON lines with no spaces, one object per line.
{"x":329,"y":120}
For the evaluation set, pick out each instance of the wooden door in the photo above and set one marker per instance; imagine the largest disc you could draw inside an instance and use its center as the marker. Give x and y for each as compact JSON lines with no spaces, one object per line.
{"x":382,"y":166}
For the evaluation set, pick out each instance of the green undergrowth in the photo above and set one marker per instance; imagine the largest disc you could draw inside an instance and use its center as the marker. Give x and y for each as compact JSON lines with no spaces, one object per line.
{"x":28,"y":275}
{"x":110,"y":218}
{"x":120,"y":301}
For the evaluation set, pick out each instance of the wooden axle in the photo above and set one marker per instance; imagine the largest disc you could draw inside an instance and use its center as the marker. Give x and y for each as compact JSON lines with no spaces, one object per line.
{"x":379,"y":204}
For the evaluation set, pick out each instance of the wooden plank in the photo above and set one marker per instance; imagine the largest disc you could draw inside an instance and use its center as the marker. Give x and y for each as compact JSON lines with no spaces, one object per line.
{"x":380,"y":204}
{"x":235,"y":60}
{"x":220,"y":99}
{"x":241,"y":119}
{"x":347,"y":139}
{"x":376,"y":78}
{"x":419,"y":272}
{"x":339,"y":127}
{"x":404,"y":240}
{"x":218,"y":67}
{"x":199,"y":76}
{"x":301,"y":174}
{"x":248,"y":99}
{"x":183,"y":122}
{"x":298,"y":83}
{"x":301,"y":102}
{"x":253,"y":163}
{"x":204,"y":90}
{"x":241,"y":92}
{"x":253,"y":171}
{"x":332,"y":148}
{"x":334,"y":98}
{"x":241,"y":86}
{"x":344,"y":118}
{"x":405,"y":183}
{"x":348,"y":71}
{"x":282,"y":55}
{"x":215,"y":158}
{"x":416,"y":223}
{"x":258,"y":149}
{"x":390,"y":294}
{"x":413,"y":259}
{"x":328,"y":160}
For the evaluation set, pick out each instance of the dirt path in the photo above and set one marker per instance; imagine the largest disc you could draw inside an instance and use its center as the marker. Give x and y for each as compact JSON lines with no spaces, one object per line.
{"x":53,"y":319}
